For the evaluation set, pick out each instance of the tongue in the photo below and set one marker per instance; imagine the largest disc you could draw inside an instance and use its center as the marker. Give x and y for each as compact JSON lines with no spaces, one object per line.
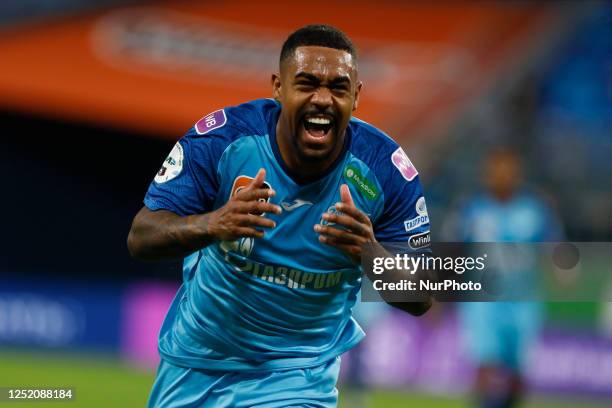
{"x":316,"y":132}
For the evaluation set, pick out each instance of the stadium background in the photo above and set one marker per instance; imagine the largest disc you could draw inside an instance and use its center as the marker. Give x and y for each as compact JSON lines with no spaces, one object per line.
{"x":93,"y":96}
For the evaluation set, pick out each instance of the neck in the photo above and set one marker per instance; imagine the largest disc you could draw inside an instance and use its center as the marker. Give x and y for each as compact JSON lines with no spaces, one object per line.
{"x":503,"y":195}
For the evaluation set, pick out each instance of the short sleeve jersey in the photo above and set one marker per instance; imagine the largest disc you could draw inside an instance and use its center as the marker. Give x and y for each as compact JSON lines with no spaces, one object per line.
{"x":524,"y":218}
{"x":282,"y":301}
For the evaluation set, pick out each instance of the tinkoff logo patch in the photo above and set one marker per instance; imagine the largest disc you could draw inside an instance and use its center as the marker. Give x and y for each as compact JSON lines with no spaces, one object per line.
{"x":354,"y":176}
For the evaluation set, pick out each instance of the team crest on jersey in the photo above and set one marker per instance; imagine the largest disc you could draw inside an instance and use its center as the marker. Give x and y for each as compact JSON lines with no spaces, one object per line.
{"x":173,"y":165}
{"x":243,"y":246}
{"x":331,"y":210}
{"x":403,"y":164}
{"x":210,"y":122}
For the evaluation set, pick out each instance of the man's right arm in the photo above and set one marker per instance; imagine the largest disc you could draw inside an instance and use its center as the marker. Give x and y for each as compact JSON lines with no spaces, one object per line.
{"x":162,"y":234}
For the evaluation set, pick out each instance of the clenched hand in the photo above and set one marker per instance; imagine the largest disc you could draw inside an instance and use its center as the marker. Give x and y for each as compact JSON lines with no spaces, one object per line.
{"x":359,"y":229}
{"x":242,"y":215}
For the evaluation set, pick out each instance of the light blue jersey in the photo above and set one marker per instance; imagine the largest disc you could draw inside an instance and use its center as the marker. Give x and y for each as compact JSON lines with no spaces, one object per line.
{"x":523,"y":218}
{"x":501,"y":332}
{"x":284,"y":301}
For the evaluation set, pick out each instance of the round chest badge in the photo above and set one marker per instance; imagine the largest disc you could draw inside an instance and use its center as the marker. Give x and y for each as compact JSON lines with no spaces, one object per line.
{"x":172,"y":165}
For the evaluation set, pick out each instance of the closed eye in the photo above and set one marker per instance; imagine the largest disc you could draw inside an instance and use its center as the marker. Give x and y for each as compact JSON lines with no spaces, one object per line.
{"x":340,"y":87}
{"x":305,"y":85}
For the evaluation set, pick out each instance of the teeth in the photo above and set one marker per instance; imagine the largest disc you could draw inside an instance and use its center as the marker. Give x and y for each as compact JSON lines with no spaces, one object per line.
{"x":319,"y":121}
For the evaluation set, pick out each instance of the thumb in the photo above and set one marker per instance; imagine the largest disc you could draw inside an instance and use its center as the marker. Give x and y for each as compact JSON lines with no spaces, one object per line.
{"x":258,"y":180}
{"x":345,"y":195}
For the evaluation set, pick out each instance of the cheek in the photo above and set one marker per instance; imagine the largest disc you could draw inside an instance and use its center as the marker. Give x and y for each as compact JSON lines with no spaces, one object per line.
{"x":346,"y":107}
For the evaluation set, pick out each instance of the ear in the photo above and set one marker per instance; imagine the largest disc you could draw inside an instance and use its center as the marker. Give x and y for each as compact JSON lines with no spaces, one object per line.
{"x":357,"y":92}
{"x":276,"y":86}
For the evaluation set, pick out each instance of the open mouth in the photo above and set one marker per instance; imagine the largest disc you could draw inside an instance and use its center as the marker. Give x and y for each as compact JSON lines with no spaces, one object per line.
{"x":318,"y":126}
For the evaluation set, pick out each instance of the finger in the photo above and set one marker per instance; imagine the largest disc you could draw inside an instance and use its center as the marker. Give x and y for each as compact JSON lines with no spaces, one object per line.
{"x":261,"y":207}
{"x":255,"y":220}
{"x":248,"y":232}
{"x":254,"y":194}
{"x":352,"y":250}
{"x":353,"y":212}
{"x":339,"y":235}
{"x":257,"y":182}
{"x":345,"y":195}
{"x":346,"y":221}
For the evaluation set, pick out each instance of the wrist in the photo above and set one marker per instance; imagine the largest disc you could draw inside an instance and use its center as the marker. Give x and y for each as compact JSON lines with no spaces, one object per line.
{"x":204,"y":228}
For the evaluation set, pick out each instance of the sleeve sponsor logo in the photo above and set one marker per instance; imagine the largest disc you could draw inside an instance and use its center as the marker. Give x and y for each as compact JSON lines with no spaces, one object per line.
{"x":419,"y":241}
{"x":210,"y":122}
{"x":416,"y":222}
{"x":354,"y":176}
{"x":404,"y":165}
{"x":422,"y":217}
{"x":173,"y":165}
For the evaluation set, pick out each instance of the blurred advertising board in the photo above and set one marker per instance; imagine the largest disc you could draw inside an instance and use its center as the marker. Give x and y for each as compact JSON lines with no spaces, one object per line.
{"x":402,"y":351}
{"x":159,"y":67}
{"x":58,"y":314}
{"x":399,"y":351}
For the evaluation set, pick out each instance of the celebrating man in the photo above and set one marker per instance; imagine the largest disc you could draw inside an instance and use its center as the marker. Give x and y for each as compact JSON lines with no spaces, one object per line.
{"x":270,"y":203}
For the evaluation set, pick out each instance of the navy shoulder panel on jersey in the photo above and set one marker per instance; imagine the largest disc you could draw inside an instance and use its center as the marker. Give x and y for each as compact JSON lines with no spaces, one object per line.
{"x":404,"y":214}
{"x":187,"y":183}
{"x":253,"y":117}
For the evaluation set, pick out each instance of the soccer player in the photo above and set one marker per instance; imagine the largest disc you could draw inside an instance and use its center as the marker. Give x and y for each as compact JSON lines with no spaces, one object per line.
{"x":497,"y":335}
{"x":269,"y":203}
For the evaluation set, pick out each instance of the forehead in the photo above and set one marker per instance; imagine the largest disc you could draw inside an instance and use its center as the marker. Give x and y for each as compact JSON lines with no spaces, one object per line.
{"x":320,"y":61}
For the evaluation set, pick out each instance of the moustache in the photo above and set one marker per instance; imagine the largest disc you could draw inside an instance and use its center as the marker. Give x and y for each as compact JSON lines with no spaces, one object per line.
{"x":324,"y":112}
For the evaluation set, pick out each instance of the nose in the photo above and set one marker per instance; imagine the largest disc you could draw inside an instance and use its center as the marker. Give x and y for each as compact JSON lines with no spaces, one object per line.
{"x":322,"y":98}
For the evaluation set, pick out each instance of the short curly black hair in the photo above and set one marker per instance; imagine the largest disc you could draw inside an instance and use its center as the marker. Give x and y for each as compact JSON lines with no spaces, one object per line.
{"x":321,"y":35}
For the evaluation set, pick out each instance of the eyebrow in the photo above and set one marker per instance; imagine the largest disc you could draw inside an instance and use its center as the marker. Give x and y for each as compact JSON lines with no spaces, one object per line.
{"x":314,"y":78}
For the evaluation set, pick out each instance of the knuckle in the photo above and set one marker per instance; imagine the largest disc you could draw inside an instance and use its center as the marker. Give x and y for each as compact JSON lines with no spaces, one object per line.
{"x":262,"y":206}
{"x":336,"y":232}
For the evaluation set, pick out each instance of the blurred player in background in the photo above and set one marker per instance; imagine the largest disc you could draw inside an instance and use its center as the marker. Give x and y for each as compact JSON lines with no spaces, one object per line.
{"x":497,"y":335}
{"x":270,"y":203}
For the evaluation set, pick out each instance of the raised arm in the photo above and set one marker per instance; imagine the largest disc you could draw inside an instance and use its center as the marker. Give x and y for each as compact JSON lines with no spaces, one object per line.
{"x":357,"y":232}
